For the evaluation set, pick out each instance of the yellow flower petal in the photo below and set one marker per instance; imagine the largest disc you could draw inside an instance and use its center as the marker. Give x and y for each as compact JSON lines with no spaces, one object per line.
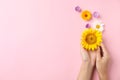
{"x":91,"y":39}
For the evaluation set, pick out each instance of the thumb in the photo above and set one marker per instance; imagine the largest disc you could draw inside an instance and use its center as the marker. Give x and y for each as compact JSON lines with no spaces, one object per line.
{"x":105,"y":53}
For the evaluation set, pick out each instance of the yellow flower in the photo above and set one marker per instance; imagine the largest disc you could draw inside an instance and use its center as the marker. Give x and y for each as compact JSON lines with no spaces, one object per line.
{"x":91,"y":39}
{"x":86,"y":15}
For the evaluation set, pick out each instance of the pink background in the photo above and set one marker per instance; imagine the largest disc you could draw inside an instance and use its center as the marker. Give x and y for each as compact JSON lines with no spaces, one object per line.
{"x":39,"y":39}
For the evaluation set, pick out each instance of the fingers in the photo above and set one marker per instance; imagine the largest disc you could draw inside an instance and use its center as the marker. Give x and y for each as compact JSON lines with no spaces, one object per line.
{"x":92,"y":54}
{"x":98,"y":54}
{"x":98,"y":50}
{"x":84,"y":53}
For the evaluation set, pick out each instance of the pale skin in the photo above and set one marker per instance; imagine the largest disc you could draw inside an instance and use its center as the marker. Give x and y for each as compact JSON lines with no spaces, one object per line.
{"x":92,"y":59}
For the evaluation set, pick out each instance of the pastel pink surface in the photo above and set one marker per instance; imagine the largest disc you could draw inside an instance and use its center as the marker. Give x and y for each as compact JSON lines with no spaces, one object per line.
{"x":40,"y":39}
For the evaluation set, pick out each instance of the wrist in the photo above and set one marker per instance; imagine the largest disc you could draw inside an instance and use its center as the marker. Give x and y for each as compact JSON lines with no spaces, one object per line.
{"x":103,"y":76}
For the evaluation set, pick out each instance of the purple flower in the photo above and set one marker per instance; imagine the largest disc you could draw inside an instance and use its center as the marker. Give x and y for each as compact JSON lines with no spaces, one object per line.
{"x":87,"y":26}
{"x":96,"y":14}
{"x":78,"y":9}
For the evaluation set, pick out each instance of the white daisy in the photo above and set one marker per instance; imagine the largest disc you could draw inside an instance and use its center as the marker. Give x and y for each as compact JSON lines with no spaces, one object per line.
{"x":98,"y":25}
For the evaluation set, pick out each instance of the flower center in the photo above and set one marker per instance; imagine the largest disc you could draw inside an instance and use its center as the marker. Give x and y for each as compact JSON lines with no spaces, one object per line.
{"x":97,"y":26}
{"x":91,"y":39}
{"x":86,"y":15}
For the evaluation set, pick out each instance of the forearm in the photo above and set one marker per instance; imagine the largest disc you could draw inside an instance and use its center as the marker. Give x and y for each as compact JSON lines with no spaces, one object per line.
{"x":85,"y":72}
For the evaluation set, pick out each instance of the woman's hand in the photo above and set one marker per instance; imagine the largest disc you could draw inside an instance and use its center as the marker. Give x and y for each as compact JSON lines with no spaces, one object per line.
{"x":102,"y":63}
{"x":88,"y":64}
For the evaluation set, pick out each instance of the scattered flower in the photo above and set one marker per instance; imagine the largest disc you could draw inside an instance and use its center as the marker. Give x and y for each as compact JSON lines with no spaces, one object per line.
{"x":78,"y":9}
{"x":87,"y":26}
{"x":96,"y":14}
{"x":86,"y":15}
{"x":91,"y":39}
{"x":98,"y":25}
